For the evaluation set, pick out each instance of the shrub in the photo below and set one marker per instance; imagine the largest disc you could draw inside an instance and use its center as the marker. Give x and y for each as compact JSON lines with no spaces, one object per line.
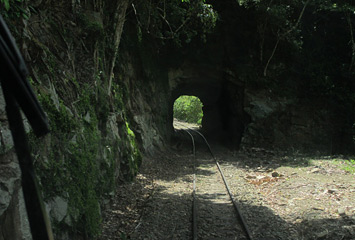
{"x":188,"y":109}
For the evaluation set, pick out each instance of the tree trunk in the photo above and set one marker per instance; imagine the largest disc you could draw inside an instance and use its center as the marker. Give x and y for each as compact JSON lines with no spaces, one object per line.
{"x":118,"y":21}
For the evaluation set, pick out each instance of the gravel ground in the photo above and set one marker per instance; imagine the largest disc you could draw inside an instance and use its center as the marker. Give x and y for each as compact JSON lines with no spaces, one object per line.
{"x":295,"y":197}
{"x":216,"y":215}
{"x":281,"y":196}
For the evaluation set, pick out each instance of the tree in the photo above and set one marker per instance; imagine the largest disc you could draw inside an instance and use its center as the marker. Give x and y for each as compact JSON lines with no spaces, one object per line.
{"x":188,"y":109}
{"x":176,"y":20}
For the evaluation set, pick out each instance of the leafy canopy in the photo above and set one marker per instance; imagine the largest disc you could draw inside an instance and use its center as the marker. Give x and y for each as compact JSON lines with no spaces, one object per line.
{"x":176,"y":20}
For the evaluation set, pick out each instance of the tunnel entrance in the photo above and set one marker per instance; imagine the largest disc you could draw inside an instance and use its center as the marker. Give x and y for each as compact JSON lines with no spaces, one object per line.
{"x":223,"y":119}
{"x":188,"y":109}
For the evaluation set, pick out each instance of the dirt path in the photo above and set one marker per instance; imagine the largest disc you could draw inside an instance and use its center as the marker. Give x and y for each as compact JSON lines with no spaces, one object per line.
{"x":282,"y":197}
{"x":168,"y":213}
{"x":295,"y":197}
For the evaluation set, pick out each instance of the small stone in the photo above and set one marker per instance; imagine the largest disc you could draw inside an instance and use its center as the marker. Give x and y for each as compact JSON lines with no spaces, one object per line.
{"x":318,"y":208}
{"x":315,"y":170}
{"x":58,"y":208}
{"x":87,"y":117}
{"x":332,"y":191}
{"x":351,"y":229}
{"x":298,"y":220}
{"x":322,"y":234}
{"x":341,"y":211}
{"x":275,"y":174}
{"x":250,"y":176}
{"x":260,"y":177}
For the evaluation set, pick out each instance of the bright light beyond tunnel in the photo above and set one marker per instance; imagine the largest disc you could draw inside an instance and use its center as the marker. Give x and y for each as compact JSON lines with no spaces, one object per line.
{"x":188,"y":109}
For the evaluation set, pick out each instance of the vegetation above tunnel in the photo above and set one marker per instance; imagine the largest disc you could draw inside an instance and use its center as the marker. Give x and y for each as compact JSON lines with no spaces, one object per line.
{"x":274,"y":42}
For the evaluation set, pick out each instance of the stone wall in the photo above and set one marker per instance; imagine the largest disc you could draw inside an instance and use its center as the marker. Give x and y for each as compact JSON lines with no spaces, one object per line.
{"x":13,"y":218}
{"x":287,"y":124}
{"x":240,"y":113}
{"x":91,"y":147}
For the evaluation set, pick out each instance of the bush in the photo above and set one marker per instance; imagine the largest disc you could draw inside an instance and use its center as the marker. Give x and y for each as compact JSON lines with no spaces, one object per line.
{"x":188,"y":109}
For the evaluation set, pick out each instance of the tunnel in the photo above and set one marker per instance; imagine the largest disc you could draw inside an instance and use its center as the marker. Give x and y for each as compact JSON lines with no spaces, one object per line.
{"x":224,"y":119}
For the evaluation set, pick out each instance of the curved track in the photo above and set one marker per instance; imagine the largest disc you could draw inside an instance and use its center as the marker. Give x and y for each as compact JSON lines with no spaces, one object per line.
{"x":201,"y":216}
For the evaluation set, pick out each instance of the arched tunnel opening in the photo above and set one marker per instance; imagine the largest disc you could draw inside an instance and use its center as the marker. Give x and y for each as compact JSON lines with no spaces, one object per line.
{"x":224,"y":120}
{"x":188,"y":109}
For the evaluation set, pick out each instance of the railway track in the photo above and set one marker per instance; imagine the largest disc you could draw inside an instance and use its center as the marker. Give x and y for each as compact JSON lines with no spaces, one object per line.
{"x":211,"y":219}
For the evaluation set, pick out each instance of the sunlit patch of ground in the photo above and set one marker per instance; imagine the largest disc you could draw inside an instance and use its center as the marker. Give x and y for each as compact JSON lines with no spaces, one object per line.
{"x":178,"y":125}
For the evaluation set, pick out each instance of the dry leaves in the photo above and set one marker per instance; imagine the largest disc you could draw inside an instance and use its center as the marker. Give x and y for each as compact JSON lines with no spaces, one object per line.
{"x":262,"y":179}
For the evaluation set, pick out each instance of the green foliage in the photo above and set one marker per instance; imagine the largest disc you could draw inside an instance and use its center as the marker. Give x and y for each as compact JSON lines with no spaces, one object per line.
{"x":347,"y":165}
{"x":130,"y":155}
{"x":59,"y":118}
{"x":350,"y":166}
{"x":84,"y":174}
{"x":6,"y":4}
{"x":72,"y":171}
{"x":72,"y":168}
{"x":310,"y":40}
{"x":13,"y":9}
{"x":118,"y":95}
{"x":91,"y":24}
{"x":176,"y":20}
{"x":188,"y":109}
{"x":79,"y":163}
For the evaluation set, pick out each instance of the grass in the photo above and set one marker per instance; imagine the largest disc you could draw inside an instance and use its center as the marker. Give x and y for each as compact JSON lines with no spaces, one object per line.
{"x":347,"y":165}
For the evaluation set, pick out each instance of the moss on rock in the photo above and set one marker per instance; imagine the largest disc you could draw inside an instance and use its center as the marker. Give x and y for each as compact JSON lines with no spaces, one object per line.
{"x":80,"y":163}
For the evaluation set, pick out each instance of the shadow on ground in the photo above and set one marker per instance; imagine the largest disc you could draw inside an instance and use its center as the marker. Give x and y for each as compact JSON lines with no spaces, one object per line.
{"x":146,"y":210}
{"x":168,"y":216}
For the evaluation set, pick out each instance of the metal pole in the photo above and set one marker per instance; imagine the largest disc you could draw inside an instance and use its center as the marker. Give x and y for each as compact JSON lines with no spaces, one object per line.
{"x":37,"y":216}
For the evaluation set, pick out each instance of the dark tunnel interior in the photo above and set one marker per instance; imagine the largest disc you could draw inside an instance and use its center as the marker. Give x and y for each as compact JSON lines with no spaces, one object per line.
{"x":224,"y":119}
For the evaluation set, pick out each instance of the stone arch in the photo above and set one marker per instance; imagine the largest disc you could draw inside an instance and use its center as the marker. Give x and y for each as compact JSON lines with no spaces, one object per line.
{"x":224,"y":119}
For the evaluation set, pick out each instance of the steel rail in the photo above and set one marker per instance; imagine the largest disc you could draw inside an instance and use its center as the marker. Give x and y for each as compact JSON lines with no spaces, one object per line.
{"x":236,"y":207}
{"x":194,"y":205}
